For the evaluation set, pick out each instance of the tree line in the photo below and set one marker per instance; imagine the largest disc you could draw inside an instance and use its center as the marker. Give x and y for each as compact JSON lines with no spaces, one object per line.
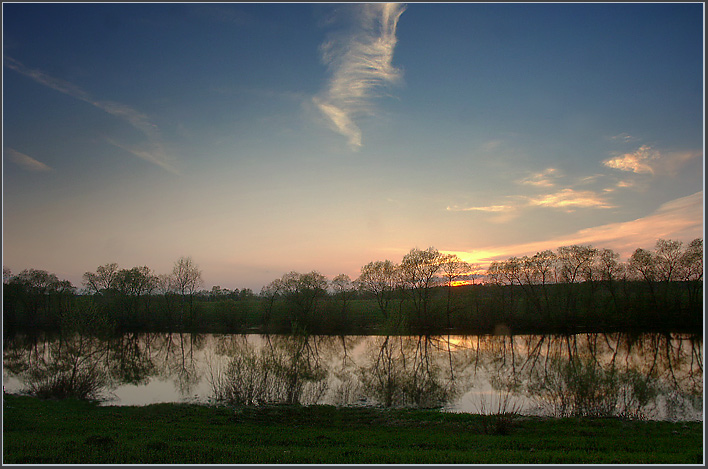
{"x":576,"y":287}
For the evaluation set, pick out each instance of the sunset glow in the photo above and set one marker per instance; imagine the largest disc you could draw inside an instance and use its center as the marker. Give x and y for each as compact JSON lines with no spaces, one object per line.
{"x":261,"y":139}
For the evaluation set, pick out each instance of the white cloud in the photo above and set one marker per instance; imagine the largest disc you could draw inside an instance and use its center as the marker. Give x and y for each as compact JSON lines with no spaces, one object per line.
{"x":360,"y":64}
{"x":26,"y":161}
{"x":136,"y":119}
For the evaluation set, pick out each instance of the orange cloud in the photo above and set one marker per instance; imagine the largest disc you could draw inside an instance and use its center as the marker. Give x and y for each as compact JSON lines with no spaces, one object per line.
{"x":489,"y":208}
{"x":649,"y":161}
{"x":542,"y":179}
{"x":680,"y":219}
{"x":568,"y":198}
{"x":636,"y":162}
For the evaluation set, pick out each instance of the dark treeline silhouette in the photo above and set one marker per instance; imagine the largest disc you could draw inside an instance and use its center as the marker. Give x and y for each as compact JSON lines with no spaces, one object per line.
{"x":576,"y":288}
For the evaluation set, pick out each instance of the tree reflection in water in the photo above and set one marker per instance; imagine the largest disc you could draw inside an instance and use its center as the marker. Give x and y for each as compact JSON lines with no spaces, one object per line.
{"x":637,"y":376}
{"x":281,"y":370}
{"x":406,"y":371}
{"x":70,"y":366}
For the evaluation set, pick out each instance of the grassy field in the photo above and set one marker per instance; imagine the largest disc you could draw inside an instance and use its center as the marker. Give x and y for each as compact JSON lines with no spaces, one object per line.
{"x":74,"y":432}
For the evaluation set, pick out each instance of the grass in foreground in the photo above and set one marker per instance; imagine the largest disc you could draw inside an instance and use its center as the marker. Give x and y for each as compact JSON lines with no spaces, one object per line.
{"x":74,"y":432}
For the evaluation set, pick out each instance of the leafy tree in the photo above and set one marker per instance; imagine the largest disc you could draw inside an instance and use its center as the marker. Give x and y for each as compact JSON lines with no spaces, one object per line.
{"x":302,"y":291}
{"x":132,"y":286}
{"x":36,"y":290}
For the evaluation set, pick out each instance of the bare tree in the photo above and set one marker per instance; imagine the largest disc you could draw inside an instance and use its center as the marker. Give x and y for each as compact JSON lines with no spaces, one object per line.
{"x":692,"y":261}
{"x":342,"y":286}
{"x":269,"y":293}
{"x":609,"y":270}
{"x":102,"y":280}
{"x":186,"y":276}
{"x":186,"y":279}
{"x":420,"y":270}
{"x":544,"y":264}
{"x":642,"y":264}
{"x":668,"y":255}
{"x":692,"y":270}
{"x":379,"y":278}
{"x":575,"y":265}
{"x":452,"y":268}
{"x":575,"y":262}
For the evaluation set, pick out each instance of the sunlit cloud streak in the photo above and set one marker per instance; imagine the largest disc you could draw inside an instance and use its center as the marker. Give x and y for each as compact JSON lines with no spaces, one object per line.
{"x":569,"y":198}
{"x":543,"y":179}
{"x":134,"y":118}
{"x":566,"y":199}
{"x":646,"y":160}
{"x":680,"y":219}
{"x":490,"y":208}
{"x":361,"y":65}
{"x":636,"y":162}
{"x":26,"y":161}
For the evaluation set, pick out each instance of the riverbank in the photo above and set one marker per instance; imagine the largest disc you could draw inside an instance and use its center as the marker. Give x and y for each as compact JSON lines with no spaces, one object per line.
{"x":74,"y":432}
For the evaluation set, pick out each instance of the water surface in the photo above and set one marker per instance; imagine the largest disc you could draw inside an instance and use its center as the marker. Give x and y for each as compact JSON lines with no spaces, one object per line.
{"x":655,"y":376}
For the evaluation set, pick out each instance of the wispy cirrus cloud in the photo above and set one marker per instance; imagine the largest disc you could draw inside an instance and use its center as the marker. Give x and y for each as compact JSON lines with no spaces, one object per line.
{"x":154,"y":154}
{"x":623,"y":137}
{"x":26,"y":161}
{"x":360,"y":62}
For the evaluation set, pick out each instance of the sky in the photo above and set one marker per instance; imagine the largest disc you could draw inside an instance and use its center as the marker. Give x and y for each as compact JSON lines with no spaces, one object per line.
{"x":260,"y":139}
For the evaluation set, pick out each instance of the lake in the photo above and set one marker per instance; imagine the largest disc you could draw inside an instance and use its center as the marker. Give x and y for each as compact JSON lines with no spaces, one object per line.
{"x":650,"y":376}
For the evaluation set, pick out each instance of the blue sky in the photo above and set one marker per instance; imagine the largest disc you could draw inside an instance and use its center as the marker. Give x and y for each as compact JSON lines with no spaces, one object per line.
{"x":264,"y":138}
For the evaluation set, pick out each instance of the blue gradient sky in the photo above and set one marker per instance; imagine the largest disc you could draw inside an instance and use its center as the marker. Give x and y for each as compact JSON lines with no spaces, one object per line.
{"x":264,"y":138}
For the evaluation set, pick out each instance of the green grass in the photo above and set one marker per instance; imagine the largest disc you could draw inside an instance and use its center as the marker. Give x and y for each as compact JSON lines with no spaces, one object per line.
{"x":75,"y":432}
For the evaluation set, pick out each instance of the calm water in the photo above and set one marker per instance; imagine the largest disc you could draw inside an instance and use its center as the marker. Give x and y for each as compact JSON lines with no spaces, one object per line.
{"x":647,"y":376}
